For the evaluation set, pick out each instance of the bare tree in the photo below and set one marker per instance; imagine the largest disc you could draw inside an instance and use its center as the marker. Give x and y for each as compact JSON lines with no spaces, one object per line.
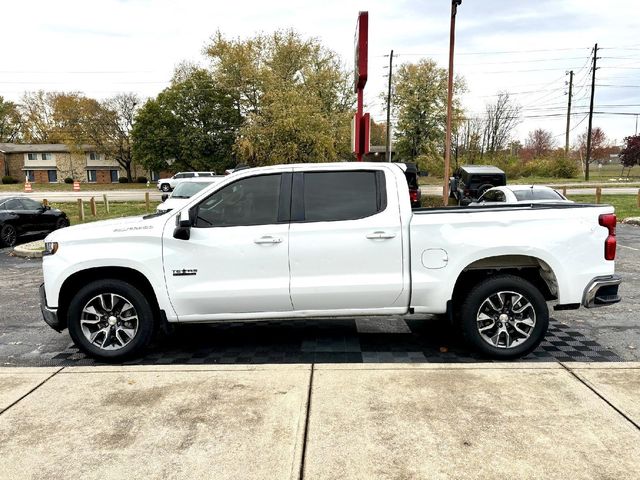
{"x":471,"y":136}
{"x":109,"y":128}
{"x":502,"y":118}
{"x":600,"y":147}
{"x":540,"y":142}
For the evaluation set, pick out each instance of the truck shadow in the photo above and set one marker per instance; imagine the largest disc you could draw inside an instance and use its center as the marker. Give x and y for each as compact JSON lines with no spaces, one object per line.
{"x":338,"y":341}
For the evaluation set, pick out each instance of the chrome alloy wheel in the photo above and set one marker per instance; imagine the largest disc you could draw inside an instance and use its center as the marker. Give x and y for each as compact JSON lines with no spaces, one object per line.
{"x":9,"y":236}
{"x":506,"y":319}
{"x":109,"y":321}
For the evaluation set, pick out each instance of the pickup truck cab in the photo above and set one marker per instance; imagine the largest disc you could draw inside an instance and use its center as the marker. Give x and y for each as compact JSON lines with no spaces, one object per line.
{"x":327,"y":240}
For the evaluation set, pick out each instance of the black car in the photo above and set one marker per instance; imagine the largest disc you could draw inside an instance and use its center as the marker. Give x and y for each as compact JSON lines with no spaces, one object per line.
{"x":23,"y":216}
{"x":469,"y":182}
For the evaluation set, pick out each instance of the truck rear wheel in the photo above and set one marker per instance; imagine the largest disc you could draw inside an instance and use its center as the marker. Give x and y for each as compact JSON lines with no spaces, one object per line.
{"x":110,"y":320}
{"x":504,"y":317}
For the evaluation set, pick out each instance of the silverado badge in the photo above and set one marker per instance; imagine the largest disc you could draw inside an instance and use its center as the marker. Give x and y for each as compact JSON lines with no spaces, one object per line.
{"x":184,"y":272}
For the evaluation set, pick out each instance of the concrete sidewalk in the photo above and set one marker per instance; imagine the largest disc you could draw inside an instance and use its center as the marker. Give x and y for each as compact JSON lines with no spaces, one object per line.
{"x":491,"y":420}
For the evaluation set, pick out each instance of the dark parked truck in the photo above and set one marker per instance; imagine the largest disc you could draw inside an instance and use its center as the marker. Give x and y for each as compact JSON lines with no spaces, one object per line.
{"x":469,"y":182}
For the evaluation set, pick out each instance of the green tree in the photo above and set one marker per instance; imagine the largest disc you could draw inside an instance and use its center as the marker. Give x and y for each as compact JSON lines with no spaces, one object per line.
{"x":9,"y":121}
{"x":420,"y":104}
{"x":294,"y":95}
{"x":191,"y":125}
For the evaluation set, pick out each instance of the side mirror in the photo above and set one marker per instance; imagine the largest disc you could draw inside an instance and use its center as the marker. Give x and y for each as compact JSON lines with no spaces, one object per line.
{"x":183,"y":226}
{"x":164,"y":197}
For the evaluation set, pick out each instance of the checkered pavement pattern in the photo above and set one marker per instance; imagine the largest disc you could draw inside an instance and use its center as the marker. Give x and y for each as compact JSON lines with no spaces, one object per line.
{"x":337,"y":341}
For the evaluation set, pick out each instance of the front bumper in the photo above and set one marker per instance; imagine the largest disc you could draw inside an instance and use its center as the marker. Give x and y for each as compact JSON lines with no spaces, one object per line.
{"x":602,"y":291}
{"x":50,"y":315}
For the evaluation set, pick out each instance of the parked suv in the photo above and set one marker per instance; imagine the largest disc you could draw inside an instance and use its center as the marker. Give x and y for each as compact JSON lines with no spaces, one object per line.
{"x":469,"y":182}
{"x":168,"y":184}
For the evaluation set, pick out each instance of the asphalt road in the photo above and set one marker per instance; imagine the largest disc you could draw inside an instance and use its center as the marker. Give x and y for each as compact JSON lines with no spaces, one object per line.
{"x":26,"y":340}
{"x":113,"y":195}
{"x":155,"y":195}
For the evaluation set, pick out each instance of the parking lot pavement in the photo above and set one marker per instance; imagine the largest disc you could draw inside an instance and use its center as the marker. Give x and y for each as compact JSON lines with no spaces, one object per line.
{"x":618,"y":326}
{"x":605,"y":334}
{"x":347,"y":421}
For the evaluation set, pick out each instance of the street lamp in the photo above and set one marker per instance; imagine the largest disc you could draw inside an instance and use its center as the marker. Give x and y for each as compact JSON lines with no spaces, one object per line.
{"x":447,"y":140}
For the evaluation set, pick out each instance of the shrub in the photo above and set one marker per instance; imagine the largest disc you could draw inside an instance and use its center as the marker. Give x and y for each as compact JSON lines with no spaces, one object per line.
{"x":123,"y":180}
{"x":68,"y":180}
{"x":564,"y":168}
{"x":8,"y":179}
{"x":141,"y":179}
{"x":431,"y":163}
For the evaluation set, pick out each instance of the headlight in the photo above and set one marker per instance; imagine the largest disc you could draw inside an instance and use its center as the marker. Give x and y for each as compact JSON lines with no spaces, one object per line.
{"x":50,"y":248}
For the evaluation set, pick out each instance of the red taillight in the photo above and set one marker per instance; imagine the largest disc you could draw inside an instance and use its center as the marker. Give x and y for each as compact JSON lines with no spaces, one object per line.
{"x":609,"y":220}
{"x":413,"y":194}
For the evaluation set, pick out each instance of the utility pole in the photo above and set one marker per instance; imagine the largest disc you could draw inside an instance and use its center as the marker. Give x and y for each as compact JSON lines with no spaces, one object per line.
{"x":593,"y":91}
{"x":566,"y":143}
{"x":447,"y":139}
{"x":388,"y":144}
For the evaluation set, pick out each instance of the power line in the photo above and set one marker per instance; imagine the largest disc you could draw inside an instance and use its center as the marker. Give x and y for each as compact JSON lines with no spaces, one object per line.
{"x":493,"y":52}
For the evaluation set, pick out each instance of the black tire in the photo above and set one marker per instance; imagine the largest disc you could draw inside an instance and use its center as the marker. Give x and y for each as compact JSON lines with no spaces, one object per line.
{"x":478,"y":302}
{"x":165,"y":187}
{"x":8,"y":235}
{"x":61,"y":223}
{"x":138,"y":341}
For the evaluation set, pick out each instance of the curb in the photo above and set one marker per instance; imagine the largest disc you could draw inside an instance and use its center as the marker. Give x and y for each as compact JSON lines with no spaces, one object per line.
{"x":29,"y":250}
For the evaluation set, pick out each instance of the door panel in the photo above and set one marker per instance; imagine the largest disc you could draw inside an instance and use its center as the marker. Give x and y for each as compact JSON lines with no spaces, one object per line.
{"x":236,"y":259}
{"x":229,"y":270}
{"x":347,"y":264}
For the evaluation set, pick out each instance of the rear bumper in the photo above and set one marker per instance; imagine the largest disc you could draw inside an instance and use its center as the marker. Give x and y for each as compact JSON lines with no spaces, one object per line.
{"x":602,"y":291}
{"x":50,"y":315}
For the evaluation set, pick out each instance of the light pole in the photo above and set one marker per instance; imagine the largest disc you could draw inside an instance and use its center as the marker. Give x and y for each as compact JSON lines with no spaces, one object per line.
{"x":447,"y":139}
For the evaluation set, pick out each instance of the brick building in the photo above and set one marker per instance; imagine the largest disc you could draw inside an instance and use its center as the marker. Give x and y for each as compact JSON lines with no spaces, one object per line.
{"x":52,"y":163}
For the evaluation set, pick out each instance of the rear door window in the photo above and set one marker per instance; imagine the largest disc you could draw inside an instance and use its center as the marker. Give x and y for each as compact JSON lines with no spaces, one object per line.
{"x":343,"y":195}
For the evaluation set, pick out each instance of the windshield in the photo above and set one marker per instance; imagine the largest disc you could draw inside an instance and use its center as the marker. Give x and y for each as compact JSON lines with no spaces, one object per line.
{"x":537,"y":194}
{"x":188,"y":189}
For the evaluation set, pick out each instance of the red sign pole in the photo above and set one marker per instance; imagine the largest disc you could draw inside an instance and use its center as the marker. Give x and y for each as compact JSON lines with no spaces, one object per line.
{"x":359,"y":136}
{"x":361,"y":60}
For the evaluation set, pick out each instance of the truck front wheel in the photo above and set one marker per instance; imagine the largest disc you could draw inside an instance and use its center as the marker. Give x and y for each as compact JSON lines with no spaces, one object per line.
{"x":110,"y":320}
{"x":504,"y":317}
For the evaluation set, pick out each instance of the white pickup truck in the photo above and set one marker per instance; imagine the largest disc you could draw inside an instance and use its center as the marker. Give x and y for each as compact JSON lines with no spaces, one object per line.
{"x":327,"y":240}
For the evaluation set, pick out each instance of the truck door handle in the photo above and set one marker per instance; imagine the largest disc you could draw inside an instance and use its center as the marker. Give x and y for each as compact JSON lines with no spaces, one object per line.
{"x":267,"y":239}
{"x":380,"y":235}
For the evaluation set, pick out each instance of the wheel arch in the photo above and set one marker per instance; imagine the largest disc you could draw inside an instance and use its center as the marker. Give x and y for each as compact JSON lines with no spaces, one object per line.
{"x":530,"y":268}
{"x":83,"y":277}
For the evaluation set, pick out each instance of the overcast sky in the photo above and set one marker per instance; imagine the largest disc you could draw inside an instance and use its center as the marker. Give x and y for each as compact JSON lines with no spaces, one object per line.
{"x":103,"y":47}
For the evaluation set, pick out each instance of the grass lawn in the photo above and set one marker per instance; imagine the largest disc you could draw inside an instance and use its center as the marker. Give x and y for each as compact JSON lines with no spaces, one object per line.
{"x":116,"y":210}
{"x":66,"y":187}
{"x":606,"y":174}
{"x":625,"y":205}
